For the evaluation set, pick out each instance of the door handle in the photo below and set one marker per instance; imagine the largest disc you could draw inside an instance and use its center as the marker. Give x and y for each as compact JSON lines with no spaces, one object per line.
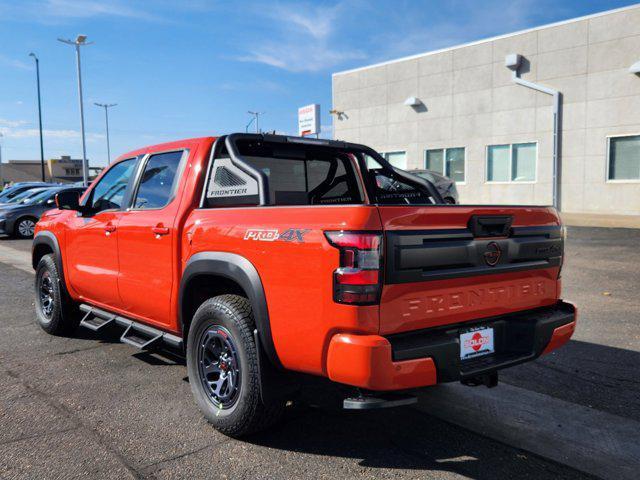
{"x":109,"y":228}
{"x":160,"y":230}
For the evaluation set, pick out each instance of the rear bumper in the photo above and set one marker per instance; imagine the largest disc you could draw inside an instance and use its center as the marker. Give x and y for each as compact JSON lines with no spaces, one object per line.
{"x":426,"y":357}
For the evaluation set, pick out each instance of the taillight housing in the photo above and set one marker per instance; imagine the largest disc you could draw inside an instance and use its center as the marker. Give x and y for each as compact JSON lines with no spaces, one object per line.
{"x":563,"y":236}
{"x":357,"y":281}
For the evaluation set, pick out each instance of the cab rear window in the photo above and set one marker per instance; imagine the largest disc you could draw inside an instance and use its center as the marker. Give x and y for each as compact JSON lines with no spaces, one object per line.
{"x":295,"y":177}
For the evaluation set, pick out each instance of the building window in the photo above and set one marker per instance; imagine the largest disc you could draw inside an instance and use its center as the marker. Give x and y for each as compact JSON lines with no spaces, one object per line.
{"x":624,"y":158}
{"x":512,"y":163}
{"x":397,"y":159}
{"x":446,"y":161}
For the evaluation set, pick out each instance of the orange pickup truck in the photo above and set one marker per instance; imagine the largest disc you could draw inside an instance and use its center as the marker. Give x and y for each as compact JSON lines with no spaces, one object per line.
{"x":263,"y":255}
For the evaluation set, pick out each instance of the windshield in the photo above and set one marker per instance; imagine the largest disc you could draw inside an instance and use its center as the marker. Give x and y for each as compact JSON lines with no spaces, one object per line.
{"x":6,"y":193}
{"x":11,"y":192}
{"x":39,"y":198}
{"x":24,"y":195}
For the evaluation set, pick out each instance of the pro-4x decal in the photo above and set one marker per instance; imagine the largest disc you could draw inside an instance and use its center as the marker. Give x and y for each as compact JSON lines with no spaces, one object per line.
{"x":271,"y":235}
{"x":293,"y":235}
{"x":262,"y":234}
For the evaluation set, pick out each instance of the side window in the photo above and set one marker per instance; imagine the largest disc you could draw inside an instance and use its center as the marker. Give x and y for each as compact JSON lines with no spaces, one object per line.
{"x":158,"y":180}
{"x":108,"y":194}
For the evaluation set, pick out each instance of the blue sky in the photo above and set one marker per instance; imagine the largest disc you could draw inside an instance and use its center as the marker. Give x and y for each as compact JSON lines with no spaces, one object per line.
{"x":191,"y":68}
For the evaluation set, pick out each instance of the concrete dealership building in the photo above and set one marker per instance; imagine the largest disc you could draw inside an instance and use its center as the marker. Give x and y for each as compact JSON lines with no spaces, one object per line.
{"x":483,"y":114}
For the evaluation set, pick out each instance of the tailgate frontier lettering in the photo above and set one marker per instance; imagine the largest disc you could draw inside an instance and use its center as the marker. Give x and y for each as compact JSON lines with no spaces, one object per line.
{"x":474,"y":298}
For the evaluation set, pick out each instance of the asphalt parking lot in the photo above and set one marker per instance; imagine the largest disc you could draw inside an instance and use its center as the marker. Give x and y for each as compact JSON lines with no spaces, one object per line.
{"x":90,"y":406}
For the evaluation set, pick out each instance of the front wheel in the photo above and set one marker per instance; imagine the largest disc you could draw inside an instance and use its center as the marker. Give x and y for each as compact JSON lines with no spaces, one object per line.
{"x":56,"y":314}
{"x":222,"y":360}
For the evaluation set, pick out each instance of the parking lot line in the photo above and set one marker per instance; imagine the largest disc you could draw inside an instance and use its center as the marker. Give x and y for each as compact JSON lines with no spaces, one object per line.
{"x":16,"y":258}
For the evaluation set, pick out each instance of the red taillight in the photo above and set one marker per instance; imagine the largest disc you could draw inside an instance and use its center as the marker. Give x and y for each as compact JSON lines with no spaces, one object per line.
{"x":357,"y":280}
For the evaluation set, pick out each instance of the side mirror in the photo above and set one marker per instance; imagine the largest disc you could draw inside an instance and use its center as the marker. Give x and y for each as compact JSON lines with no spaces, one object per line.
{"x":68,"y":200}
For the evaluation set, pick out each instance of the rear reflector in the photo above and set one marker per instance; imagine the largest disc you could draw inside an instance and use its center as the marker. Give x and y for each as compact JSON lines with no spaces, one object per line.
{"x":357,"y":280}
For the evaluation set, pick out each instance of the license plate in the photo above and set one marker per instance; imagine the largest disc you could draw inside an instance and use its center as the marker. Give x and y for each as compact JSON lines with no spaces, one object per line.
{"x":476,"y":343}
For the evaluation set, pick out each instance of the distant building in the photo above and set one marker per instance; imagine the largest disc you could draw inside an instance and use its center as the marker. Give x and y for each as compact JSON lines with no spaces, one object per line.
{"x":63,"y":170}
{"x":458,"y":111}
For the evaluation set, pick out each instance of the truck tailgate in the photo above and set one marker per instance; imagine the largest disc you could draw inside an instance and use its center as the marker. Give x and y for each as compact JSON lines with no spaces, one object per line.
{"x":451,"y":264}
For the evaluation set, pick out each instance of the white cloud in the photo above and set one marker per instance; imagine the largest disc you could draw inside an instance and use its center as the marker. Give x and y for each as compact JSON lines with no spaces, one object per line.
{"x":294,"y":58}
{"x":257,"y":84}
{"x":93,"y":8}
{"x":11,"y":123}
{"x":301,"y":38}
{"x":57,"y":11}
{"x":15,"y":130}
{"x":315,"y":21}
{"x":13,"y":63}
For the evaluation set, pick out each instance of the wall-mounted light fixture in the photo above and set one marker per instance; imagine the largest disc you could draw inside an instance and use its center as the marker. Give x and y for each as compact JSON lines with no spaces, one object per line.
{"x":413,"y":102}
{"x":512,"y":61}
{"x":635,"y":68}
{"x":340,"y":115}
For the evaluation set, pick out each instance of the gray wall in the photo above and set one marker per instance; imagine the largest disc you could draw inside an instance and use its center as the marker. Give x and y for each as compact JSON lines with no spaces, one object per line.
{"x":471,"y":101}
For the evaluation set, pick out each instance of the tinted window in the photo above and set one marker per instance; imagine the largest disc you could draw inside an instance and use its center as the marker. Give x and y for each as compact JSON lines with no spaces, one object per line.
{"x":295,"y":177}
{"x":312,"y":181}
{"x":25,"y":195}
{"x":512,"y":163}
{"x":108,"y":194}
{"x":156,"y":185}
{"x":40,"y":198}
{"x":624,"y":158}
{"x":14,"y":192}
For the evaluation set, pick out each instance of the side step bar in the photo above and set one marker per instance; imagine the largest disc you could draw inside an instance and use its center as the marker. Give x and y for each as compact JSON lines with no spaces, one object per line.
{"x":136,"y":334}
{"x":95,"y":323}
{"x":376,"y":401}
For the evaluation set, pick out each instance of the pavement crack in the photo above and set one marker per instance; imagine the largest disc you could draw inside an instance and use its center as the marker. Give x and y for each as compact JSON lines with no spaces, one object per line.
{"x":83,"y":349}
{"x":148,"y":469}
{"x":576,"y":374}
{"x":37,"y":435}
{"x":88,"y":430}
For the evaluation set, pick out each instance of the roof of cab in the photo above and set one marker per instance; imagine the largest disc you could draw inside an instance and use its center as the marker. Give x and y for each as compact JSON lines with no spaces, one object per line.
{"x":174,"y":145}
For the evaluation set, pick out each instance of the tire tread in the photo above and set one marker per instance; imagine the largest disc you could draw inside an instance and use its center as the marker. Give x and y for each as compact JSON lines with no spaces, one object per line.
{"x":257,"y":416}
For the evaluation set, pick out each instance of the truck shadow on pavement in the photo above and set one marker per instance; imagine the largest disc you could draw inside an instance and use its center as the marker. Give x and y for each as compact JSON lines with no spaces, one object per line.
{"x":403,"y":439}
{"x":406,"y":439}
{"x":589,"y":374}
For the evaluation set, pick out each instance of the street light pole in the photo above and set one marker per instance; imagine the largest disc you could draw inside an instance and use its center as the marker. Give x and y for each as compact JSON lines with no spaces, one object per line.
{"x":80,"y":41}
{"x":39,"y":114}
{"x":106,"y":107}
{"x":256,"y":115}
{"x":1,"y":177}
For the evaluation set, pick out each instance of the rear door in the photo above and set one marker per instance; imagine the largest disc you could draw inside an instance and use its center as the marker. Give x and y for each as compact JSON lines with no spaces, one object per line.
{"x":450,"y":264}
{"x":148,"y":238}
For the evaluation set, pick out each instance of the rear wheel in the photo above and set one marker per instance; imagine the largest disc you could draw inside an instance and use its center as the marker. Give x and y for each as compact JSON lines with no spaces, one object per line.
{"x":222,"y":360}
{"x":55,"y":313}
{"x":25,"y":227}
